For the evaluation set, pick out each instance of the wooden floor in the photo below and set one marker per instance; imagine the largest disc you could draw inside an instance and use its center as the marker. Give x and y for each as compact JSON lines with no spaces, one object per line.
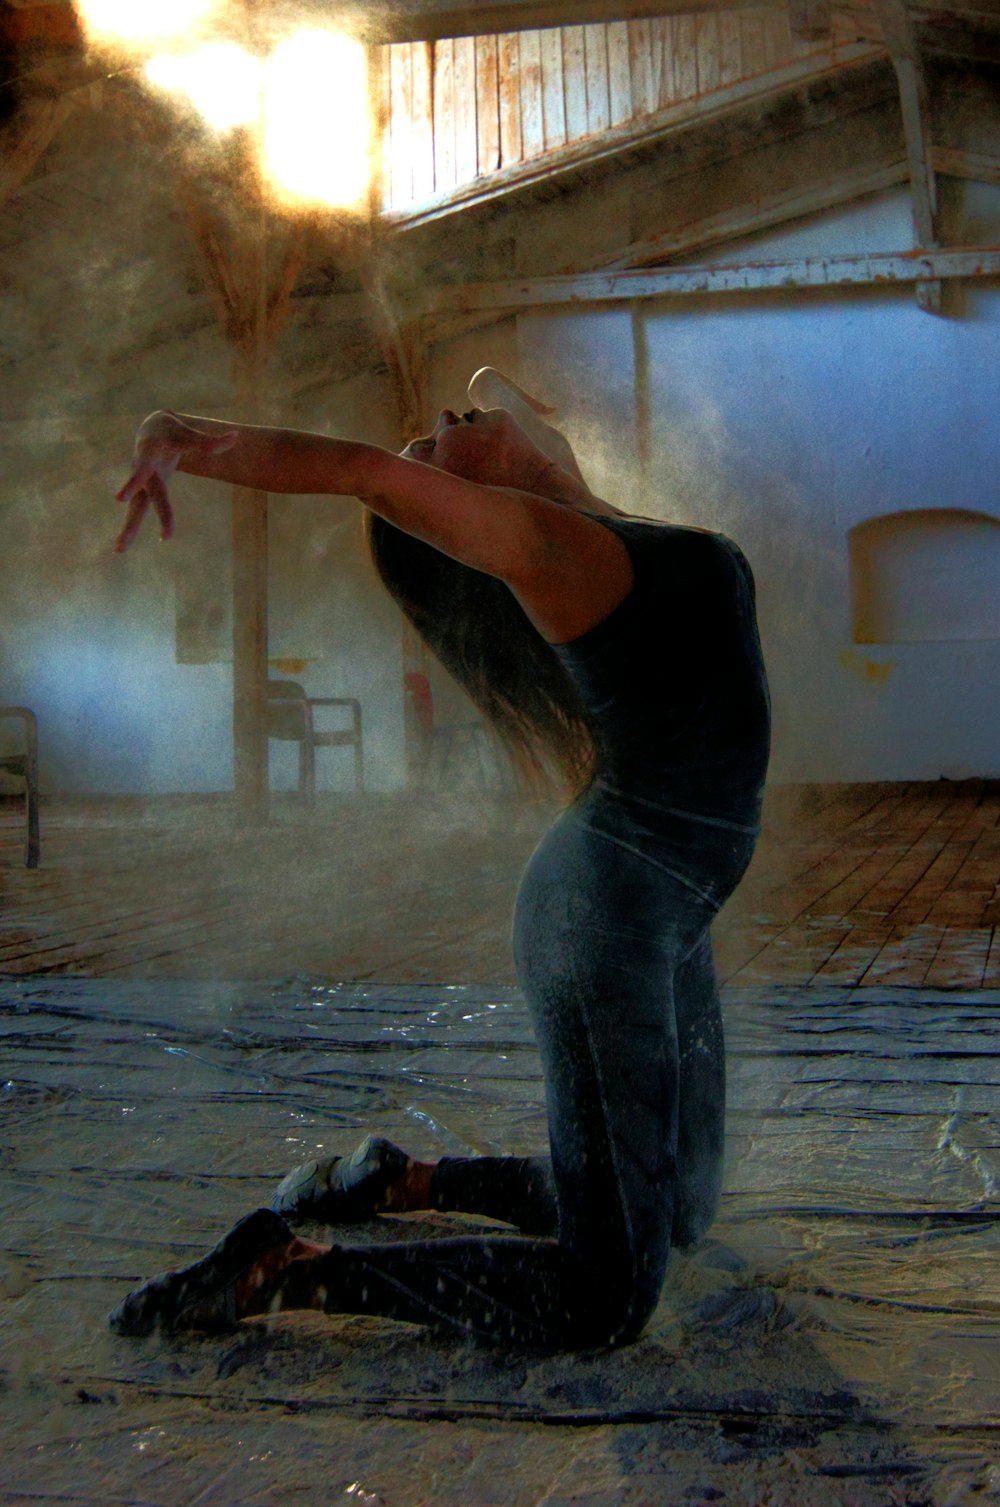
{"x":876,"y":884}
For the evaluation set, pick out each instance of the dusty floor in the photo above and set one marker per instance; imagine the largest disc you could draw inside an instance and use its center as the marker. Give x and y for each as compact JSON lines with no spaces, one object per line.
{"x":893,"y":884}
{"x":836,"y":1341}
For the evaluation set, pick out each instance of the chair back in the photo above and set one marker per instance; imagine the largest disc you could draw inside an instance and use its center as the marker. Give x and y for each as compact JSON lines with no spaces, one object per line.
{"x":289,"y":715}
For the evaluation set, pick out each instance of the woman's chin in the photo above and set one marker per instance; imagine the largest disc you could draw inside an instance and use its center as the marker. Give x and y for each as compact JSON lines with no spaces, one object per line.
{"x":422,"y":450}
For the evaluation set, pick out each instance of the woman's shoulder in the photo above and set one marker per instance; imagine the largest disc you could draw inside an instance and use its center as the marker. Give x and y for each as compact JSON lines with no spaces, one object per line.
{"x":632,"y":525}
{"x":682,"y":550}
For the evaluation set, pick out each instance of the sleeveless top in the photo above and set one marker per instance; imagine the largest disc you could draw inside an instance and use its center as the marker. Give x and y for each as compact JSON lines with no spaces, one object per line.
{"x":674,"y":680}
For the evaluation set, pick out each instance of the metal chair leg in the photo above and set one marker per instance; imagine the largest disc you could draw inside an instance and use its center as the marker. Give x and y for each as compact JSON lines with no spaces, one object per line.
{"x":359,"y":763}
{"x":32,"y":845}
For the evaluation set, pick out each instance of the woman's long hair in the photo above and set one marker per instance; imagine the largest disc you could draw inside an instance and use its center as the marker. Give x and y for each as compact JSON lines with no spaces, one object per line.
{"x":472,"y":623}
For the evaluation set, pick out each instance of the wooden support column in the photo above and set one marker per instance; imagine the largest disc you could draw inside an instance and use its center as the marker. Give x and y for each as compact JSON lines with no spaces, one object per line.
{"x":250,"y":561}
{"x":914,"y":100}
{"x":251,"y":314}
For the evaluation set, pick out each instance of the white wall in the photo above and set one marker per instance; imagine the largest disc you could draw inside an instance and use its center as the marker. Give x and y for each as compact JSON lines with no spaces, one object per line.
{"x":784,"y":421}
{"x":87,"y":638}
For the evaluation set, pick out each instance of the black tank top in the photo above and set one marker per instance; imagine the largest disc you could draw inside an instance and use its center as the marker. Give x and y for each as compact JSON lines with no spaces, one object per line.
{"x":674,"y":677}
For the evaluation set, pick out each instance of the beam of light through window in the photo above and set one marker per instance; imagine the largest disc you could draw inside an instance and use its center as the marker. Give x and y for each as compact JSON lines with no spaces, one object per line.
{"x":316,"y":122}
{"x":141,"y":22}
{"x":222,"y":80}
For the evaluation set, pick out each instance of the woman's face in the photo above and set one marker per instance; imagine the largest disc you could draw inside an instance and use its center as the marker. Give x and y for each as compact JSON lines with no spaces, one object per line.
{"x":484,"y":445}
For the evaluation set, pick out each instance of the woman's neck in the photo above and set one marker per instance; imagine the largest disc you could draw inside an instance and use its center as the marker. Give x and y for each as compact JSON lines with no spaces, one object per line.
{"x":557,"y":485}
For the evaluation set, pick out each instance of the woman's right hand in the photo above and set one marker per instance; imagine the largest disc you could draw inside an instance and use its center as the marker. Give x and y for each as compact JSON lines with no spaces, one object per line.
{"x":162,"y":441}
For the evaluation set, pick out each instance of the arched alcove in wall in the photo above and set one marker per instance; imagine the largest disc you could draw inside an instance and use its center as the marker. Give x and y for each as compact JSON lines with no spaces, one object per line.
{"x":925,"y":576}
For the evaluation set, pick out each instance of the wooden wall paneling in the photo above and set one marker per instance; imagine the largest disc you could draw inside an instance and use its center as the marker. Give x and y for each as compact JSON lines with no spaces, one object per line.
{"x":465,"y":109}
{"x":752,"y":43}
{"x":422,"y":123}
{"x":532,"y":119}
{"x":777,"y":42}
{"x":401,"y":102}
{"x":708,"y":54}
{"x":661,"y":62}
{"x":574,"y":82}
{"x":730,"y":48}
{"x":509,"y":65}
{"x":444,"y":116}
{"x":487,"y":105}
{"x":642,"y":89}
{"x":553,"y":86}
{"x":658,"y":50}
{"x":619,"y":77}
{"x":686,"y":56}
{"x":595,"y":47}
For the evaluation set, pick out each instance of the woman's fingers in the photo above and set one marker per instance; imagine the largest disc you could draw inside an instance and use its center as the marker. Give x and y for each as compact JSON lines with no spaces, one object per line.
{"x":133,"y":520}
{"x":135,"y":484}
{"x":157,"y":494}
{"x":155,"y":461}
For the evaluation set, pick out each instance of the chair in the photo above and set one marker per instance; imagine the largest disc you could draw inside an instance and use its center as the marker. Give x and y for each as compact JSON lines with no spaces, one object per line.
{"x":290,"y":719}
{"x":440,"y":742}
{"x":25,"y":766}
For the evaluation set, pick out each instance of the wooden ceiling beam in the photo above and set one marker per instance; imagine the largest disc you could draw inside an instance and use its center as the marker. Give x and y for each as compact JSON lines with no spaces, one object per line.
{"x":878,"y":269}
{"x":974,"y":166}
{"x":429,"y":20}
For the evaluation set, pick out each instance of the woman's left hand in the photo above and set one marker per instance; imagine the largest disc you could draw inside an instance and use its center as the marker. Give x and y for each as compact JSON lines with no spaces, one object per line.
{"x":162,"y":442}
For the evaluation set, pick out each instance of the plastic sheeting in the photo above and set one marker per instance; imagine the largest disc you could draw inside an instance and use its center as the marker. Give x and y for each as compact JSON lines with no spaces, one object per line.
{"x":834,"y":1341}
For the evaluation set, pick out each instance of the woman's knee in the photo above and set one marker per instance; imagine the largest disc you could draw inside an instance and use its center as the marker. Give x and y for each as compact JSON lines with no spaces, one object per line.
{"x":612,"y":1301}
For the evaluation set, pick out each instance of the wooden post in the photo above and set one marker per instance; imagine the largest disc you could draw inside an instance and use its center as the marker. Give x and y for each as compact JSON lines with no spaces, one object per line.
{"x":914,"y":99}
{"x":249,"y":535}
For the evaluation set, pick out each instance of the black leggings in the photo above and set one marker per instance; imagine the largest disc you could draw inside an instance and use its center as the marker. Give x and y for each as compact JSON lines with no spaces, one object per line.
{"x":614,"y":959}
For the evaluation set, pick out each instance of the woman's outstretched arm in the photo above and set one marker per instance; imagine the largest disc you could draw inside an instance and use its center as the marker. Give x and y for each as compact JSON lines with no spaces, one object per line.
{"x":566,"y":570}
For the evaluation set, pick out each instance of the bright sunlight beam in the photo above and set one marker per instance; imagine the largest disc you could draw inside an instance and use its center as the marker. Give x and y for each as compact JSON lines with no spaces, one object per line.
{"x":140,"y":22}
{"x":315,"y":140}
{"x":222,"y":80}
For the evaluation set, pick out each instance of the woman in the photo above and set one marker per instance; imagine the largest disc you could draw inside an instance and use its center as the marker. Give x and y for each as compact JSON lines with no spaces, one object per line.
{"x":629,"y":649}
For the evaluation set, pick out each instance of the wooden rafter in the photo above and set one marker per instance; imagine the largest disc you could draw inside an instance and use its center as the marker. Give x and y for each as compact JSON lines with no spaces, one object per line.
{"x":761,"y":212}
{"x":24,"y":143}
{"x":914,"y":99}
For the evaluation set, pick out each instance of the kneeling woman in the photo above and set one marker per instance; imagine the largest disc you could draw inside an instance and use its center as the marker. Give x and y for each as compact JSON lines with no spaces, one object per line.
{"x":628,"y":650}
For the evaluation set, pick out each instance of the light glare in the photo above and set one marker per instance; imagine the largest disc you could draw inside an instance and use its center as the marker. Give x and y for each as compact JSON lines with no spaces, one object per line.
{"x":140,"y":21}
{"x":315,"y":139}
{"x":222,"y":80}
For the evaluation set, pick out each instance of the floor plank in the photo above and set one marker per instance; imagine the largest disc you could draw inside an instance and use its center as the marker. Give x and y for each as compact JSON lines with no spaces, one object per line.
{"x":878,"y":882}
